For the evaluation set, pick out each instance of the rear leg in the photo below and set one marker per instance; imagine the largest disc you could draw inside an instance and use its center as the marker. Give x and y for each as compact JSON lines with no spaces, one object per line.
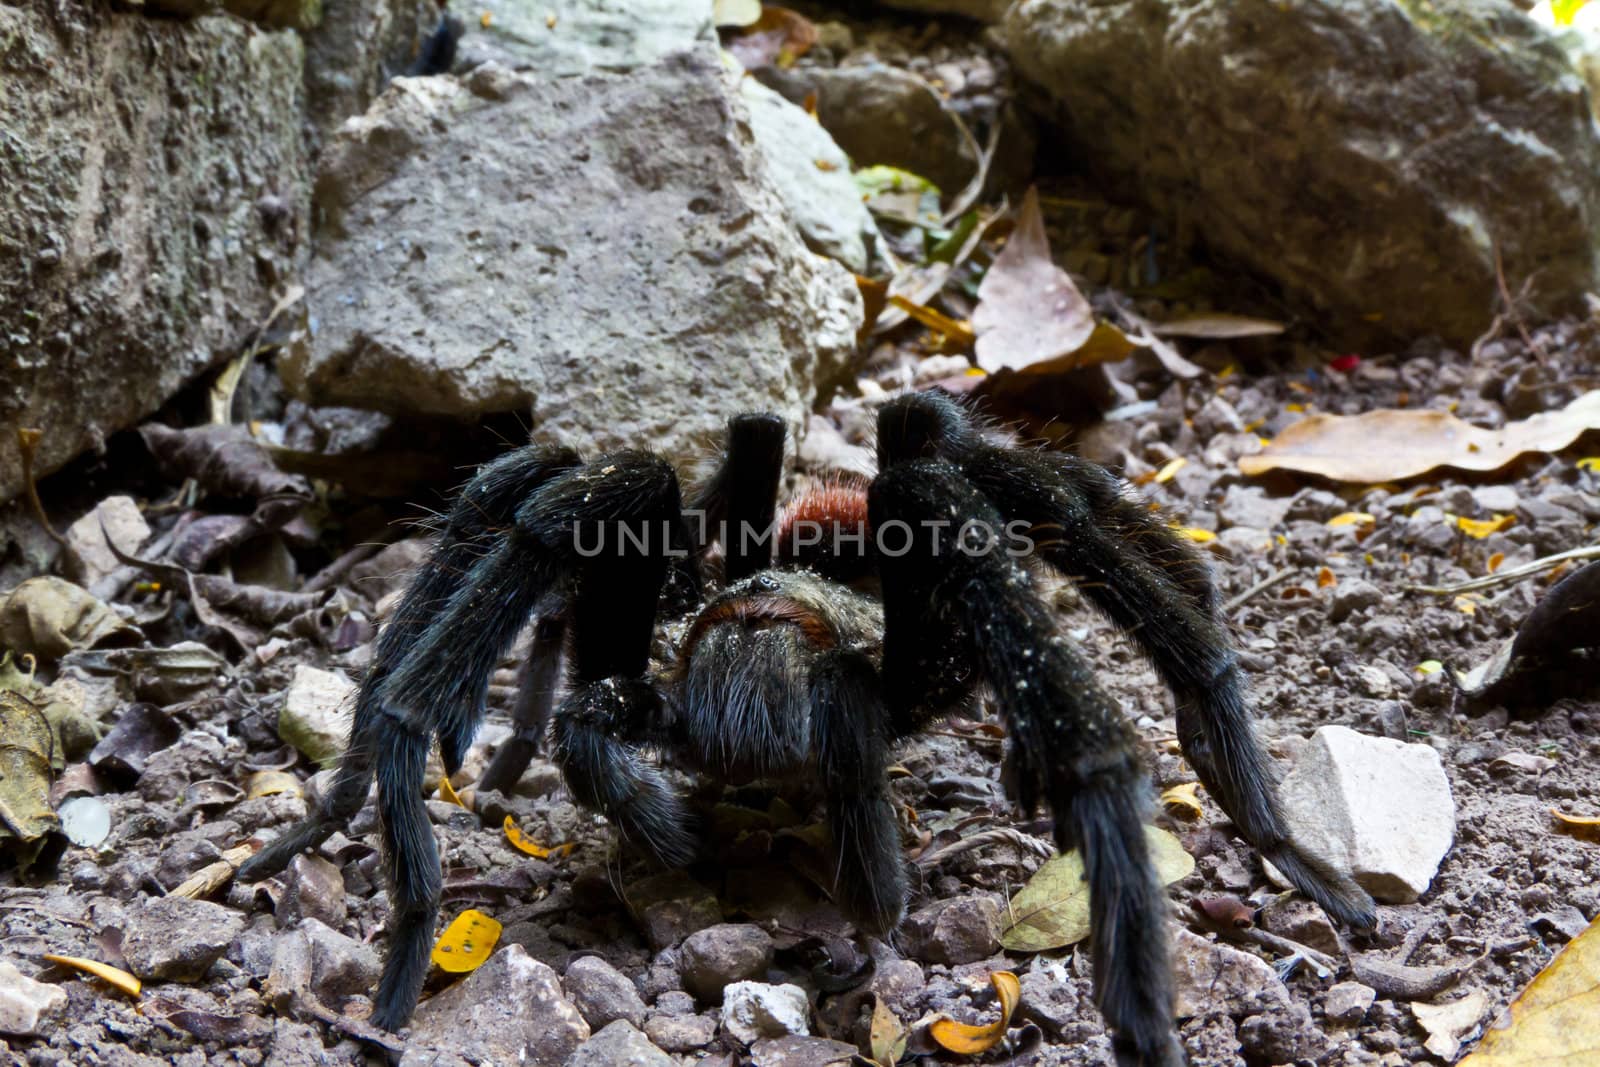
{"x":1071,"y":748}
{"x":538,"y":685}
{"x":1156,"y":588}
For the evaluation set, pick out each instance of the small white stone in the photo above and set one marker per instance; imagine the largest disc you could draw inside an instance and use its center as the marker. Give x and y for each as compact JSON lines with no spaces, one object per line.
{"x":24,"y":1002}
{"x":754,"y":1010}
{"x":316,"y":714}
{"x":1380,"y":809}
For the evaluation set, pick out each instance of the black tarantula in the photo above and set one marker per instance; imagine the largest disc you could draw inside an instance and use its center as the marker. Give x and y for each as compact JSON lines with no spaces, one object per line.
{"x":794,"y":667}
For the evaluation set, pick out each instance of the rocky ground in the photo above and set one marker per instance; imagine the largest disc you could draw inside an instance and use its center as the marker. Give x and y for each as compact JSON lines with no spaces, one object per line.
{"x":219,"y":674}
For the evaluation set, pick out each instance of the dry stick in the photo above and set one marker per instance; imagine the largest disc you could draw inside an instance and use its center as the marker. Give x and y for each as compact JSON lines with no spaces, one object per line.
{"x":1511,"y":306}
{"x":998,"y":835}
{"x":27,"y":441}
{"x":1505,"y":577}
{"x":1264,"y":584}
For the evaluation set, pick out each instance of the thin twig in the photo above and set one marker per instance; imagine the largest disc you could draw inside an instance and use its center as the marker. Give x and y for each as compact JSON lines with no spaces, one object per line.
{"x":27,"y":442}
{"x":1488,"y":581}
{"x":1264,"y":584}
{"x":998,"y":835}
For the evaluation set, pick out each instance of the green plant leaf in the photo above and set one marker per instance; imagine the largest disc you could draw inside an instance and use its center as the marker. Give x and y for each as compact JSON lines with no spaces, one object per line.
{"x":1053,"y":908}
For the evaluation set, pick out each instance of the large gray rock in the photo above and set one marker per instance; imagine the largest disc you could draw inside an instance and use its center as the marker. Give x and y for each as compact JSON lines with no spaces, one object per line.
{"x":602,"y":249}
{"x":153,"y":185}
{"x":560,"y":38}
{"x":1367,"y":155}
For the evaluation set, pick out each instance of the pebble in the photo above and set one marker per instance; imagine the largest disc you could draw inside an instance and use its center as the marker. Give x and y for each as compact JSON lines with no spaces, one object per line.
{"x":88,"y":558}
{"x":176,"y":939}
{"x":718,"y":955}
{"x":962,"y":930}
{"x":1379,"y":808}
{"x":1216,"y":416}
{"x":898,"y":983}
{"x":1249,"y":505}
{"x":1214,"y":978}
{"x":1561,"y":924}
{"x":1373,"y":682}
{"x":603,"y":994}
{"x":315,"y":717}
{"x":315,"y":958}
{"x":681,"y":1033}
{"x":754,"y":1010}
{"x":510,"y":1010}
{"x":670,"y":906}
{"x":1301,"y":920}
{"x":314,"y":889}
{"x":26,"y":1004}
{"x":1352,"y":596}
{"x":620,"y":1043}
{"x":1049,"y":997}
{"x":803,"y":1052}
{"x":1495,"y":499}
{"x":1348,"y":1002}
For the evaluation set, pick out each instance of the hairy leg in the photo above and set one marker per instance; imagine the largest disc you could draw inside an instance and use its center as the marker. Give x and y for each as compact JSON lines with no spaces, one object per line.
{"x":1071,"y":747}
{"x":538,"y":685}
{"x":1157,"y":589}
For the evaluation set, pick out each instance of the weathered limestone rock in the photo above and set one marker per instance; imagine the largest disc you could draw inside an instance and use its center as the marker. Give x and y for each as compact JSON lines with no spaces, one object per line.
{"x":601,"y":249}
{"x":153,"y":180}
{"x":594,"y":35}
{"x":1369,"y":156}
{"x":510,"y":1010}
{"x":356,"y":49}
{"x":1382,"y":809}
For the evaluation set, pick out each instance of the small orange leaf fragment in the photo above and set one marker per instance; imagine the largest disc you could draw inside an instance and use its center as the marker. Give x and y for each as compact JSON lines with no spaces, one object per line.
{"x":1481,"y":528}
{"x":1584,"y":826}
{"x":522,"y":843}
{"x":466,"y":942}
{"x":1326,"y":577}
{"x":1169,"y":470}
{"x":447,"y":792}
{"x":957,"y":332}
{"x":1350,"y":518}
{"x":1495,"y":561}
{"x":116,"y":977}
{"x":1183,"y":801}
{"x":968,"y":1040}
{"x":486,"y":19}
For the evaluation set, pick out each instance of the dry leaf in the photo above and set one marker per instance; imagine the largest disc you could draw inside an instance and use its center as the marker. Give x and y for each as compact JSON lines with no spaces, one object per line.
{"x":467,"y":942}
{"x":1495,"y":561}
{"x":1217,"y":326}
{"x":1481,"y":528}
{"x":777,"y":38}
{"x":50,"y":617}
{"x":1183,"y":801}
{"x":958,"y":335}
{"x":1197,"y":535}
{"x":969,"y":1040}
{"x":447,"y":793}
{"x":887,"y":1037}
{"x":1169,"y":470}
{"x":1029,"y":312}
{"x":1350,"y":518}
{"x":26,"y":745}
{"x":1586,"y":827}
{"x":1326,"y":578}
{"x":119,"y":979}
{"x":1052,"y":910}
{"x":1555,"y":1021}
{"x":1449,"y":1024}
{"x":524,"y":844}
{"x":268,"y":783}
{"x":1390,"y":444}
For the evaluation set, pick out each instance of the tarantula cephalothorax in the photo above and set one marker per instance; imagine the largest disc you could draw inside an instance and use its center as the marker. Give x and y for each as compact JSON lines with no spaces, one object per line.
{"x":792,"y":668}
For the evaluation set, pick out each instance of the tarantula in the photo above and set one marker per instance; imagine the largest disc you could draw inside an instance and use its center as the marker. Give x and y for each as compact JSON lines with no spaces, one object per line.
{"x":873,"y":611}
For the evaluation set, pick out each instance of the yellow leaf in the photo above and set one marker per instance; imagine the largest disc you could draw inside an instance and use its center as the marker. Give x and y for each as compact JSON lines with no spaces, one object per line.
{"x":1481,"y":528}
{"x":524,"y":844}
{"x":1589,"y":463}
{"x":1429,"y":666}
{"x":467,"y":942}
{"x":447,"y":792}
{"x":887,"y":1037}
{"x":1382,"y":446}
{"x":486,"y":20}
{"x":1563,"y":12}
{"x":1351,"y":518}
{"x":968,"y":1040}
{"x":1183,"y":801}
{"x":120,"y":979}
{"x":1556,"y":1019}
{"x":1584,"y":826}
{"x":1169,"y":470}
{"x":1196,"y":534}
{"x":1298,"y":409}
{"x":958,"y":332}
{"x":1466,"y":606}
{"x":270,"y":783}
{"x":1052,"y":910}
